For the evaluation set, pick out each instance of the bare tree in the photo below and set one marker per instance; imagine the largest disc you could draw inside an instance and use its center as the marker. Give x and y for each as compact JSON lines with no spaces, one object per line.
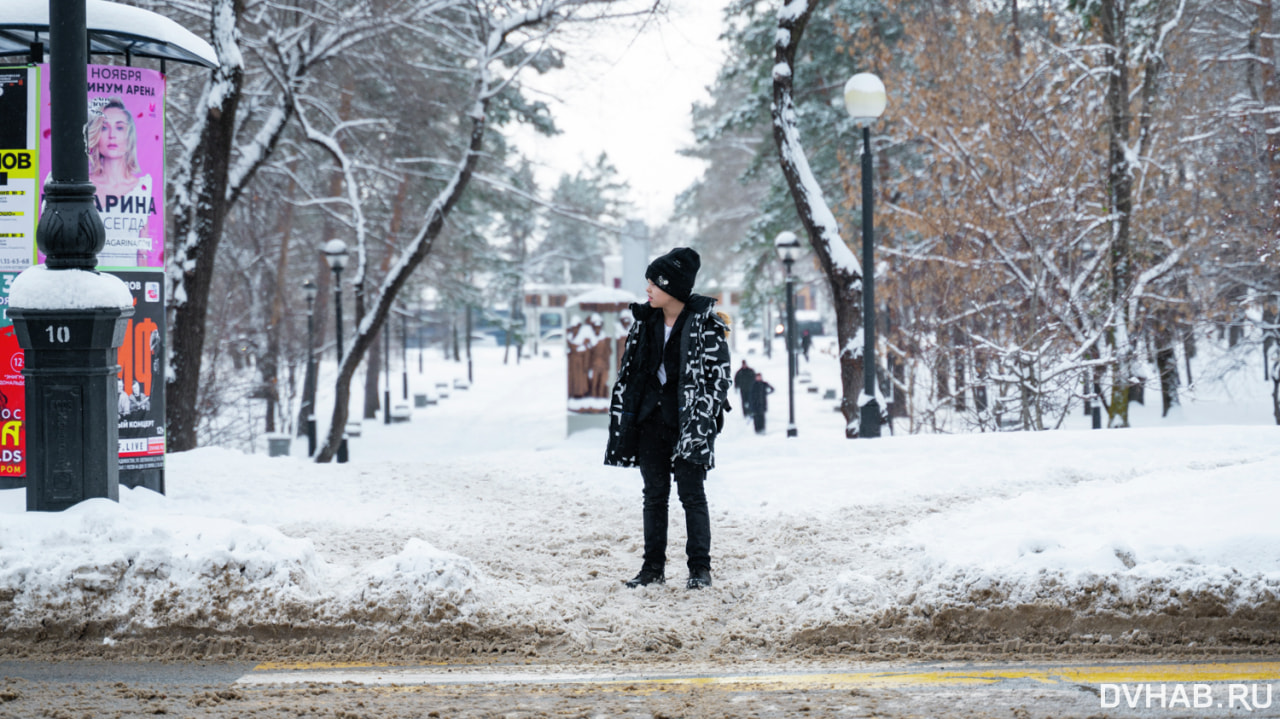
{"x":246,"y":103}
{"x":1011,"y":238}
{"x":503,"y":38}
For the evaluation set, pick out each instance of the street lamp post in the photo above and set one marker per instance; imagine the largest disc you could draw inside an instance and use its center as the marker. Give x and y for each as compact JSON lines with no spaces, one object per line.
{"x":335,"y":253}
{"x":404,"y":353}
{"x":864,"y":99}
{"x":788,"y":247}
{"x":69,"y":347}
{"x":386,"y":371}
{"x":470,"y":379}
{"x":310,"y":291}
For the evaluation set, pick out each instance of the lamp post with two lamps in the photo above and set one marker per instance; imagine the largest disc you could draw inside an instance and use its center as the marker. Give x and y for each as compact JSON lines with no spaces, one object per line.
{"x":335,"y":253}
{"x":864,"y":99}
{"x":788,"y":248}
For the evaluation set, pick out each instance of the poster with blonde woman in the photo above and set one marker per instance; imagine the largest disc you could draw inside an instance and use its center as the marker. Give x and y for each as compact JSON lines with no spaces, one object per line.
{"x":124,"y":142}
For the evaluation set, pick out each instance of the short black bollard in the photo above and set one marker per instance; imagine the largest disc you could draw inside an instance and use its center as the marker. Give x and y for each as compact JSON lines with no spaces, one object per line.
{"x":72,"y":393}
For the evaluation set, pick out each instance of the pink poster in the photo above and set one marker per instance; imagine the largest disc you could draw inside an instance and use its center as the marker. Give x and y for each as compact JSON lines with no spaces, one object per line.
{"x":125,"y":145}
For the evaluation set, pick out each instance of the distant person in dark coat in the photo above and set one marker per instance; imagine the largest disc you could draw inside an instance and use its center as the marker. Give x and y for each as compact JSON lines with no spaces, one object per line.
{"x":760,"y":391}
{"x":805,"y":343}
{"x":742,"y":380}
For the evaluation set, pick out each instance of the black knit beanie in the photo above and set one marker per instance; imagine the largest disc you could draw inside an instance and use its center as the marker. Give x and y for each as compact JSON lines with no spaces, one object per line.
{"x":675,"y":272}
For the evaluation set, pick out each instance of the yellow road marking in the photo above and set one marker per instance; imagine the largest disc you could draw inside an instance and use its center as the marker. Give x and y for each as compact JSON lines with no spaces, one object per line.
{"x":1092,"y":674}
{"x":431,"y":674}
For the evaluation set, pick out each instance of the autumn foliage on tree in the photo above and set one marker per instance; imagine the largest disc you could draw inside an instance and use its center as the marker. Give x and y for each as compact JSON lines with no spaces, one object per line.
{"x":1049,"y":188}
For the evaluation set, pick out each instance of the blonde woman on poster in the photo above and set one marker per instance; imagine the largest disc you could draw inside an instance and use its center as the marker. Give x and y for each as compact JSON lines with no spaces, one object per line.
{"x":125,"y":200}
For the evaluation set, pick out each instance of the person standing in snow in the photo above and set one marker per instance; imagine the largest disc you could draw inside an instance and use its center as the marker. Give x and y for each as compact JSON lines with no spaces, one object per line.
{"x":760,"y":391}
{"x":667,"y":407}
{"x":742,"y":380}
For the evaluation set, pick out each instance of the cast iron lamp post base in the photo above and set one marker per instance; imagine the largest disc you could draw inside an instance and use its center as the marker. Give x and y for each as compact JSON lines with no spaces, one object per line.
{"x":72,"y":393}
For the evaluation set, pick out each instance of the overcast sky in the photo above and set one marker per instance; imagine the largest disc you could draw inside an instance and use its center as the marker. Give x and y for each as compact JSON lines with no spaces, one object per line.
{"x":628,"y":92}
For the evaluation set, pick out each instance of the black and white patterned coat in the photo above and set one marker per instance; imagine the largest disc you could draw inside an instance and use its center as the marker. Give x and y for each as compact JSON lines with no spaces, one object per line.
{"x":703,"y":389}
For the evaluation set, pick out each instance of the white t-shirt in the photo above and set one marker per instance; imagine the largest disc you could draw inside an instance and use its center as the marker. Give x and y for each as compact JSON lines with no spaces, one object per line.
{"x":662,"y":366}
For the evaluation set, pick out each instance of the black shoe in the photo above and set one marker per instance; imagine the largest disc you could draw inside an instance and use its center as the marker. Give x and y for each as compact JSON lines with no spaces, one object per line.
{"x":647,"y":576}
{"x":698,"y":579}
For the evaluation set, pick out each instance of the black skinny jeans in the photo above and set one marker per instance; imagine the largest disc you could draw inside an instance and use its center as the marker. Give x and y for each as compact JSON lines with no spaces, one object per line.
{"x":655,"y":444}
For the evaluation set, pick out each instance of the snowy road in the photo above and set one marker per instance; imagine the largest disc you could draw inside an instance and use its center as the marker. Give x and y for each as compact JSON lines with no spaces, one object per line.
{"x":1218,"y":689}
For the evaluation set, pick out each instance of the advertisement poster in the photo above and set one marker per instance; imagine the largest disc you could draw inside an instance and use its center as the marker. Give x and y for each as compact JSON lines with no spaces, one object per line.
{"x":141,"y":382}
{"x":13,"y":399}
{"x":126,"y":131}
{"x":125,"y":137}
{"x":18,"y":168}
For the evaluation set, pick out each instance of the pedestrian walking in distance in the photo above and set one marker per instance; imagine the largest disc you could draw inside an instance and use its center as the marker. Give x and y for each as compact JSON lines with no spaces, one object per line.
{"x":760,"y":391}
{"x":668,"y":406}
{"x":742,"y":381}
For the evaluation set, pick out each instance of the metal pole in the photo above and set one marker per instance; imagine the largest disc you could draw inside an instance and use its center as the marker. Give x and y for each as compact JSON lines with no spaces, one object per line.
{"x":870,"y":416}
{"x":337,"y":309}
{"x":791,"y":351}
{"x":309,"y":382}
{"x":343,"y":454}
{"x":386,"y":370}
{"x":404,"y":354}
{"x":1097,"y":407}
{"x":68,"y":90}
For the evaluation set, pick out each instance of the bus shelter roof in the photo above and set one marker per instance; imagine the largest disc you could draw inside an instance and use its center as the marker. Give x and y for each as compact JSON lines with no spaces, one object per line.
{"x":114,"y":29}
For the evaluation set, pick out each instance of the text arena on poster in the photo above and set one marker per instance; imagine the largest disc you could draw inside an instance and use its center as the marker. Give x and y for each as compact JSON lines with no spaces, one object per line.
{"x":125,"y":144}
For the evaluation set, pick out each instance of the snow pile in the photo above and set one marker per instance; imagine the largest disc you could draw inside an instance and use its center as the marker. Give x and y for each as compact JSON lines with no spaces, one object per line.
{"x":108,"y":565}
{"x":119,"y":568}
{"x":421,"y":585}
{"x":1152,"y":542}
